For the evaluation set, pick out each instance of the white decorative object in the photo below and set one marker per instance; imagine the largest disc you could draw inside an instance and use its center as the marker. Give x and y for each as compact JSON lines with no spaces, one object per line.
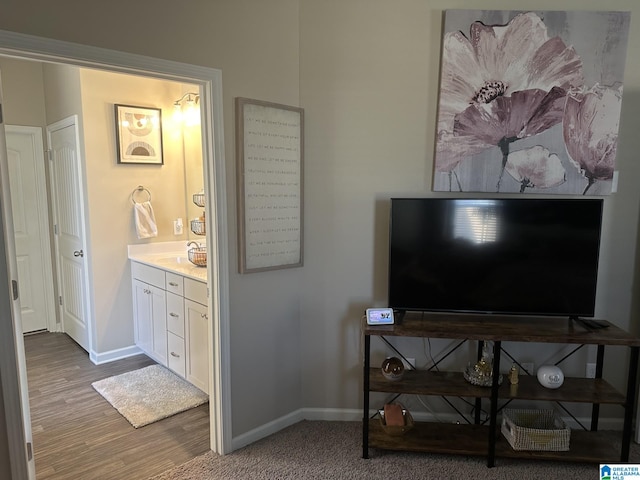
{"x":550,"y":376}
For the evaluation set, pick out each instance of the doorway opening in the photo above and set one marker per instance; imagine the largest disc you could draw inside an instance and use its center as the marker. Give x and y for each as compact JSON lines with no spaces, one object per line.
{"x":209,"y":83}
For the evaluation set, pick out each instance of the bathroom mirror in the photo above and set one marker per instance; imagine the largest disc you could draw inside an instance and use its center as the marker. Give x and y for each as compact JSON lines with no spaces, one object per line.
{"x":193,"y":167}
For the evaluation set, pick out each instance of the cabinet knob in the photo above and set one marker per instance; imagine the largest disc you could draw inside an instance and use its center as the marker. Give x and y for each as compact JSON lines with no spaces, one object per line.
{"x":204,"y":315}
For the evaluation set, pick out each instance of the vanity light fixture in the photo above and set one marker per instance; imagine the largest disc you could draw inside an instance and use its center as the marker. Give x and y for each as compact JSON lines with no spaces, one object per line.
{"x":186,"y":109}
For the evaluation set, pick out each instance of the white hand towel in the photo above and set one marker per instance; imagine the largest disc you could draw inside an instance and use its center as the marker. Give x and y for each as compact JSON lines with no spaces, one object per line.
{"x":145,"y":220}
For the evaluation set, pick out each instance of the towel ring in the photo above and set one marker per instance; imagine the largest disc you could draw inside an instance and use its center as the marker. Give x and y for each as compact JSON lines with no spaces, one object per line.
{"x":140,"y":188}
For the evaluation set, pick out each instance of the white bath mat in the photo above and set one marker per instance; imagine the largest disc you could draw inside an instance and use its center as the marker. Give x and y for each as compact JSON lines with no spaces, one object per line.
{"x":149,"y":394}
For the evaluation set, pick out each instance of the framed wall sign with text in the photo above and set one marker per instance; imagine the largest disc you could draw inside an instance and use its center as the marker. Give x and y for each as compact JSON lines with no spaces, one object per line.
{"x":270,"y":153}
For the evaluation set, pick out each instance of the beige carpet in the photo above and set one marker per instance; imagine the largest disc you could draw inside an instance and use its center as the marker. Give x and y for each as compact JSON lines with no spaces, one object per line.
{"x":333,"y":451}
{"x":149,"y":394}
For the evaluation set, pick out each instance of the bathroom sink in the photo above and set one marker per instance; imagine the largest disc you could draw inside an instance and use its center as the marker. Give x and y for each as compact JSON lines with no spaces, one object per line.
{"x":173,"y":259}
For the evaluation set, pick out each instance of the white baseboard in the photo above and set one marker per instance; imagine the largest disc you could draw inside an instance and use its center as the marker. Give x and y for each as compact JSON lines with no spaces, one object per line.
{"x":355,"y":415}
{"x":113,"y":355}
{"x":265,"y":430}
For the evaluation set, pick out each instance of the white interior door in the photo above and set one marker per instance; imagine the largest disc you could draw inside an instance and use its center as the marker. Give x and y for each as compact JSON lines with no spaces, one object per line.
{"x":27,"y":184}
{"x":71,"y":257}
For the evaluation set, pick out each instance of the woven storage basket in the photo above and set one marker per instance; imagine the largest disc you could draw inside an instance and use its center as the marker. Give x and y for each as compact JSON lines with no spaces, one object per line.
{"x":198,"y":256}
{"x":198,"y":226}
{"x":535,"y":430}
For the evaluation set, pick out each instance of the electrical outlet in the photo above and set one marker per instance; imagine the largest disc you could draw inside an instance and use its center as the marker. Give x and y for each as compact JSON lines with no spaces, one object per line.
{"x":177,"y":226}
{"x":527,"y":368}
{"x":590,"y":370}
{"x":411,"y":362}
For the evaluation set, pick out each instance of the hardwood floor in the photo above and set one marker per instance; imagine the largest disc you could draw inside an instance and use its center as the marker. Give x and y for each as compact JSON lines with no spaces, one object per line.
{"x":78,"y":435}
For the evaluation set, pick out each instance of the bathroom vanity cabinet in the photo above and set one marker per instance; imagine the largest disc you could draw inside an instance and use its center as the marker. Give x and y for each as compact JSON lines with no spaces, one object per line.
{"x":171,"y":322}
{"x":150,"y":311}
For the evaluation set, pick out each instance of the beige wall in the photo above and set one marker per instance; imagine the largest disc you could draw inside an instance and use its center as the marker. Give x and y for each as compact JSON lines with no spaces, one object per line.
{"x":256,"y":45}
{"x":369,"y":84}
{"x":366,"y":73}
{"x":109,"y":187}
{"x":40,"y":94}
{"x":23,"y":89}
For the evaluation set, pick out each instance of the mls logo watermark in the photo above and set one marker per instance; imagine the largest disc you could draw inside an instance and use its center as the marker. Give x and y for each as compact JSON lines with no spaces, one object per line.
{"x":619,"y":471}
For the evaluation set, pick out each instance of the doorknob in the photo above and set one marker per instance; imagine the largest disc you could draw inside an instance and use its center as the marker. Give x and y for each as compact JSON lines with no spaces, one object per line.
{"x":78,"y":253}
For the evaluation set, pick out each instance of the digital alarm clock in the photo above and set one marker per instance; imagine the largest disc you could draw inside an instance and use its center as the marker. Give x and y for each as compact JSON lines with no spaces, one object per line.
{"x":379,"y":316}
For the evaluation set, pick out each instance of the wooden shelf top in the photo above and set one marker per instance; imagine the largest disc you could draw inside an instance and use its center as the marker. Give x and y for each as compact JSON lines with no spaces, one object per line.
{"x":502,"y":328}
{"x":423,"y":382}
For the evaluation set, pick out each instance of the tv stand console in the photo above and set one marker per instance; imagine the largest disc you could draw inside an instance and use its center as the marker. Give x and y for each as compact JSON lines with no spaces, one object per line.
{"x":590,"y":323}
{"x":486,"y":440}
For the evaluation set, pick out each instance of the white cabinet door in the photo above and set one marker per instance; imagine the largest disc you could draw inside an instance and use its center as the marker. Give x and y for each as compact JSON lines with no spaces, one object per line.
{"x":143,"y":326}
{"x":150,"y":320}
{"x":159,"y":320}
{"x":197,"y":325}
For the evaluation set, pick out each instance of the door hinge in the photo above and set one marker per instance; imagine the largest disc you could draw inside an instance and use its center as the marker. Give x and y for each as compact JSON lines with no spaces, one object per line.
{"x":29,"y":451}
{"x":49,"y":154}
{"x":60,"y":299}
{"x":55,"y":229}
{"x":14,"y":287}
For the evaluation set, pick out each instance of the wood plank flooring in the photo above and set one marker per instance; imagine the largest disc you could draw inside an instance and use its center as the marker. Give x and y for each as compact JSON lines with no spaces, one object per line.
{"x":78,"y":435}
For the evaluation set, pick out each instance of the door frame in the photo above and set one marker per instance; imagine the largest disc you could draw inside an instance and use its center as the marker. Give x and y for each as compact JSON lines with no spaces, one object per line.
{"x":13,"y":365}
{"x":43,"y":218}
{"x":209,"y":81}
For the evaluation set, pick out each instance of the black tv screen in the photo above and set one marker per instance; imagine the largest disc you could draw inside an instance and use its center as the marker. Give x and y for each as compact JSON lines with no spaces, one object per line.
{"x":502,"y":256}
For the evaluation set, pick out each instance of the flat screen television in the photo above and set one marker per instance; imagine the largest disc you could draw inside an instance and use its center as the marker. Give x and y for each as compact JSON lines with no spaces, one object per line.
{"x":509,"y":256}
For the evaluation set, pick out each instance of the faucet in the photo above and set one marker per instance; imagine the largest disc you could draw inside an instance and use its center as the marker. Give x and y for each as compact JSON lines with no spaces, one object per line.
{"x":192,"y":242}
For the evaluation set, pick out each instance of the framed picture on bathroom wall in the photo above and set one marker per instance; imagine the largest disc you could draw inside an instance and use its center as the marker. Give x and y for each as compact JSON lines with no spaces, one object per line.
{"x":138,"y":134}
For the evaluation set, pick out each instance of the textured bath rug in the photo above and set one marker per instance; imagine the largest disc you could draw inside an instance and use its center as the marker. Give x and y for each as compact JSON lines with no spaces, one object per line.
{"x":149,"y":394}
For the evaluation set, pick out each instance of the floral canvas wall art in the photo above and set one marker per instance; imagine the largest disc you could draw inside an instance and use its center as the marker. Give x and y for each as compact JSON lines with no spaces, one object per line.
{"x":530,"y":101}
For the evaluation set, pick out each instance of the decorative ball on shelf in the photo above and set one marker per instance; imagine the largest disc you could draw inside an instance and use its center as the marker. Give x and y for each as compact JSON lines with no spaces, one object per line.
{"x":392,"y":368}
{"x":550,"y":376}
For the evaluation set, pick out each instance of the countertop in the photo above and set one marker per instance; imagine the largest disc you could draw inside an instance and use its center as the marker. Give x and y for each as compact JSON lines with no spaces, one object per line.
{"x":168,"y":256}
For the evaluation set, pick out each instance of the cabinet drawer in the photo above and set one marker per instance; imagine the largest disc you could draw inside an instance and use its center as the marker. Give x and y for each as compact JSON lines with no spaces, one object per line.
{"x":174,"y":283}
{"x":196,"y":291}
{"x":150,"y":275}
{"x":175,"y":314}
{"x":176,"y":357}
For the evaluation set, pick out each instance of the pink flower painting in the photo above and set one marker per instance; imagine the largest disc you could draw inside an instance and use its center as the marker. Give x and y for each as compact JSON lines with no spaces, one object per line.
{"x":510,"y":86}
{"x":590,"y":129}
